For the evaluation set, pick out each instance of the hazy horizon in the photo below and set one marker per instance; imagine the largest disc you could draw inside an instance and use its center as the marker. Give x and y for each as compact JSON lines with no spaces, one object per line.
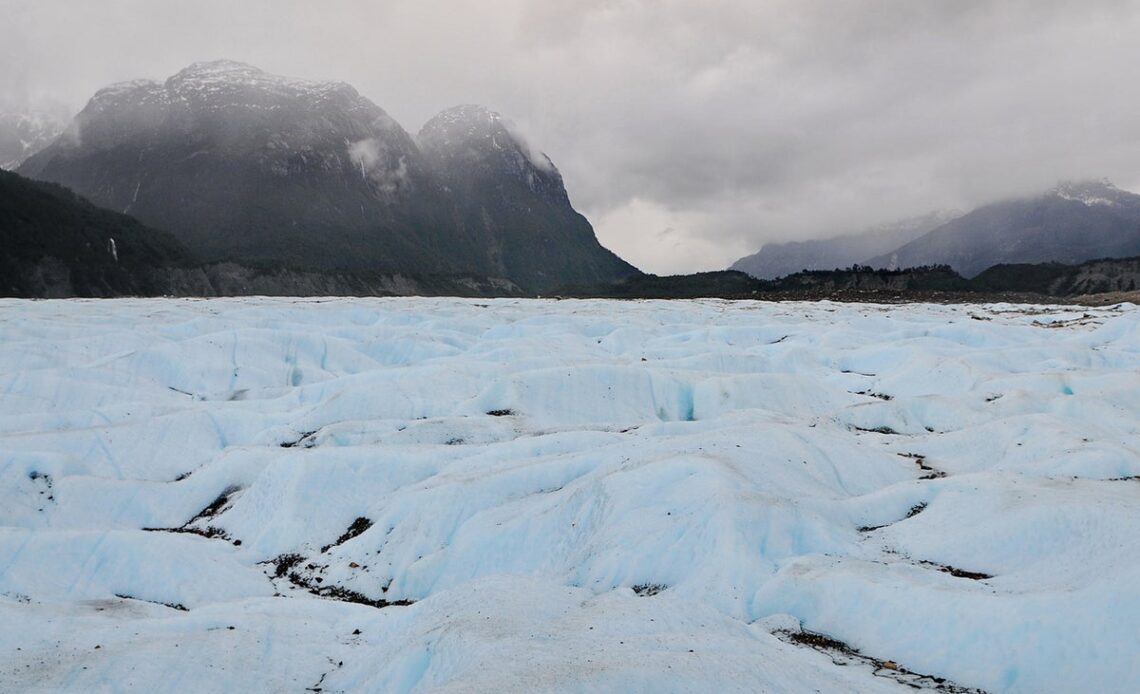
{"x":689,"y":134}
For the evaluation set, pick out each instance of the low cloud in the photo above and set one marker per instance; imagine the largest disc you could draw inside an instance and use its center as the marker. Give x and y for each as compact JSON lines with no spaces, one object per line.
{"x":387,"y":172}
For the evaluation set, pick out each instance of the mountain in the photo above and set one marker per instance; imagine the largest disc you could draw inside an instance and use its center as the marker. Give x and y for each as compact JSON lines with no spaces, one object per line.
{"x":1071,"y":223}
{"x":779,"y":259}
{"x":249,"y":167}
{"x":511,"y":201}
{"x":25,"y":132}
{"x":54,"y":244}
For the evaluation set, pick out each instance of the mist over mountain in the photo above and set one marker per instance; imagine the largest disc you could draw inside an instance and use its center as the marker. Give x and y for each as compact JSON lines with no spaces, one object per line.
{"x":1072,"y":223}
{"x":779,"y":259}
{"x":245,"y":166}
{"x":25,"y":131}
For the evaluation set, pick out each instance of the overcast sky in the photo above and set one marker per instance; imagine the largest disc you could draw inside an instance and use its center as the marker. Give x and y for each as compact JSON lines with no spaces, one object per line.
{"x":689,"y":132}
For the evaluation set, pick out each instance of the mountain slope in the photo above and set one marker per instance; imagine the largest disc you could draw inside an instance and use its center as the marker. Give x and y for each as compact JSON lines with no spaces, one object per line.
{"x":1072,"y":223}
{"x":511,"y":201}
{"x":54,"y":243}
{"x":779,"y":259}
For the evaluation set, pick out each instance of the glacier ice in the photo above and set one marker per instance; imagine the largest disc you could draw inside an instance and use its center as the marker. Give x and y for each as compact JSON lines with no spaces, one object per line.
{"x":571,"y":495}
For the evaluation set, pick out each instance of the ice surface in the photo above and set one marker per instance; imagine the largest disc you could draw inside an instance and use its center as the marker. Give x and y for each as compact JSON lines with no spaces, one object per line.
{"x":574,"y":495}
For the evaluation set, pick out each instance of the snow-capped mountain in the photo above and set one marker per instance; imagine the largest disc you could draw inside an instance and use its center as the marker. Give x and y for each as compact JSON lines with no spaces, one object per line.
{"x":248,"y":166}
{"x":510,"y":199}
{"x":1073,"y":222}
{"x":779,"y":259}
{"x":25,"y":132}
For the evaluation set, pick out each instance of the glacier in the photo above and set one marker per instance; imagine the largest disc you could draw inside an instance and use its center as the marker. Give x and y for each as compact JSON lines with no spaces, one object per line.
{"x":519,"y":495}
